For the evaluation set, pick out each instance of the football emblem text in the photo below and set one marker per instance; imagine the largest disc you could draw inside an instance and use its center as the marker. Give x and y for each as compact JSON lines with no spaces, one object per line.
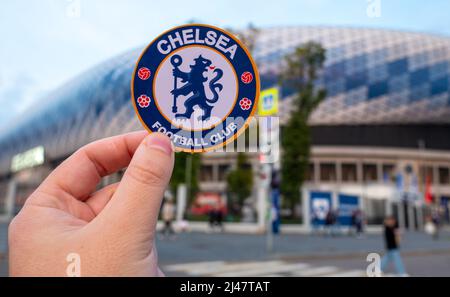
{"x":190,"y":36}
{"x":198,"y":85}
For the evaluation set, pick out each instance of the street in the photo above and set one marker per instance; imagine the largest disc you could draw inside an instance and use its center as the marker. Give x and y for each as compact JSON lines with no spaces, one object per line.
{"x":295,"y":255}
{"x":216,"y":254}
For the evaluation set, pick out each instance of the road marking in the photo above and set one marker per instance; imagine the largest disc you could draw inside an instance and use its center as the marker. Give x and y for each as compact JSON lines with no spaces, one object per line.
{"x":231,"y":267}
{"x":351,"y":273}
{"x":280,"y":268}
{"x":274,"y":268}
{"x":316,"y":271}
{"x":192,"y":266}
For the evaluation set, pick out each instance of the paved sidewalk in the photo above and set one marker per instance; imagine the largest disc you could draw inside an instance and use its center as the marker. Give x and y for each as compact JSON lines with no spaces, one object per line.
{"x":340,"y":252}
{"x":201,"y":254}
{"x":191,"y":247}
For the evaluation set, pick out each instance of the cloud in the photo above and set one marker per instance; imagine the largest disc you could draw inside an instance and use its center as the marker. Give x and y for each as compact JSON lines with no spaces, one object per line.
{"x":16,"y":96}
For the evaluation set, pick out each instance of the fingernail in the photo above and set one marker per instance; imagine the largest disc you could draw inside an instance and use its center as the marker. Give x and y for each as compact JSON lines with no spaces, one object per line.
{"x":160,"y":142}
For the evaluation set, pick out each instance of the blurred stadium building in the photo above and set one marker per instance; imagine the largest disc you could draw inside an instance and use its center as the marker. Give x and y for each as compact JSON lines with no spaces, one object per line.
{"x":387,"y":111}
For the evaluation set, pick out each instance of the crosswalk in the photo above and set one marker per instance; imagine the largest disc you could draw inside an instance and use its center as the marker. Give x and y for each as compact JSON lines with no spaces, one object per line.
{"x":275,"y":268}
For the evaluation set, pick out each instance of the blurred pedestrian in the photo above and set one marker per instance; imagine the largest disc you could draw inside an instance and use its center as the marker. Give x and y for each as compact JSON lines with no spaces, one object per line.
{"x":216,"y":217}
{"x":436,"y":219}
{"x":330,"y":221}
{"x":392,"y":243}
{"x":430,"y":228}
{"x":168,"y":215}
{"x":335,"y":226}
{"x":219,"y":217}
{"x":275,"y":192}
{"x":315,"y":221}
{"x":357,"y":222}
{"x":183,"y":225}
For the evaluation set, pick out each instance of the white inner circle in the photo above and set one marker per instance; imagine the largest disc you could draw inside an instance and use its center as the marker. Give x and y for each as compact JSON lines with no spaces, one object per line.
{"x":164,"y":84}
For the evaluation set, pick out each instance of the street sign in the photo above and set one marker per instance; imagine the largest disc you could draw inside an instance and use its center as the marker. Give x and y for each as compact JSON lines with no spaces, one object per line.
{"x":28,"y":159}
{"x":268,"y":103}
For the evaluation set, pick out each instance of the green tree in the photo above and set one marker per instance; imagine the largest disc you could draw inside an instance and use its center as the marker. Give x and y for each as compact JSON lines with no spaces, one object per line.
{"x":300,"y":74}
{"x":240,"y":180}
{"x":179,"y":173}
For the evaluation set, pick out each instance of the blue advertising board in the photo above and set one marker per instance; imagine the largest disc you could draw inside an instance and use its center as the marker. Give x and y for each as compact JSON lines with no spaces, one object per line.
{"x":347,"y":205}
{"x":320,"y":205}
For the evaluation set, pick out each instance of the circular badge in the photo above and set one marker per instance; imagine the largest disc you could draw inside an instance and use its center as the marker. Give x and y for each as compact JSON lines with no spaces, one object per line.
{"x":198,"y":85}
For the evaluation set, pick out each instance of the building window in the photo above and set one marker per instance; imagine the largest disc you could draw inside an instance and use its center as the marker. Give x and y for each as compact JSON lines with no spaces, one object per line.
{"x":309,"y":176}
{"x":327,"y":172}
{"x":369,"y":172}
{"x":206,"y":173}
{"x":388,"y":172}
{"x":223,"y":171}
{"x":444,"y":177}
{"x":349,"y":173}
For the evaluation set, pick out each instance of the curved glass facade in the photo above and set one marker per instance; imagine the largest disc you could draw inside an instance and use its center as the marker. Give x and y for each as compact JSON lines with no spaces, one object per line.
{"x":94,"y":105}
{"x":372,"y":77}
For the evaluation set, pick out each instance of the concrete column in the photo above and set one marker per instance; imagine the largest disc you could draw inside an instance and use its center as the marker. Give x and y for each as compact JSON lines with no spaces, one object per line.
{"x":316,"y":172}
{"x":401,"y":215}
{"x":362,"y":200}
{"x":10,"y":200}
{"x":306,"y":209}
{"x":359,"y":173}
{"x":388,"y":208}
{"x":419,"y":211}
{"x":380,"y":176}
{"x":262,"y":207}
{"x":181,"y":202}
{"x":334,"y":197}
{"x":367,"y":204}
{"x":338,"y":172}
{"x":411,"y":217}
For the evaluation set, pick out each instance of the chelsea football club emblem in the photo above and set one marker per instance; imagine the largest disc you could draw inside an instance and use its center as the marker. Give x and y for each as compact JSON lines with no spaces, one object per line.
{"x":198,"y":85}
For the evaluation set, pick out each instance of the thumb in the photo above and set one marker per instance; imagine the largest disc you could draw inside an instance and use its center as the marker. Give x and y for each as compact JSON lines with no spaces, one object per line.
{"x":135,"y":204}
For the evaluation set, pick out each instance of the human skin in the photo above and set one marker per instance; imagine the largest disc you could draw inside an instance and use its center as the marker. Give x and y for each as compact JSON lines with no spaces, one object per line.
{"x":111,"y":229}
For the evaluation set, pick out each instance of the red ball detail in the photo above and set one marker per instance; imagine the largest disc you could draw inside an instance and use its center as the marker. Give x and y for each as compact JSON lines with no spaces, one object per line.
{"x":144,"y":73}
{"x":246,"y":77}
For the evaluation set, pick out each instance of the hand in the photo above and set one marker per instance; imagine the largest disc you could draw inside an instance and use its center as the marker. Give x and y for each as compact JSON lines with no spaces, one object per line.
{"x":112,"y":229}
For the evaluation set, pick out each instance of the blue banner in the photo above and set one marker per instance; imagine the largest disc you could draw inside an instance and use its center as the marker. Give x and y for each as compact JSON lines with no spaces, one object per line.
{"x":320,"y":205}
{"x":348,"y":204}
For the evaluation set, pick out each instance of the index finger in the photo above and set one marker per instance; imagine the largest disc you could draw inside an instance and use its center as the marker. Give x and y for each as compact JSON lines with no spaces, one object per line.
{"x":80,"y":173}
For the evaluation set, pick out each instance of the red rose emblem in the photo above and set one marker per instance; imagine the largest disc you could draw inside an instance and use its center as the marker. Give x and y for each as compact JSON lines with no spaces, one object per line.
{"x":245,"y":103}
{"x":143,"y":101}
